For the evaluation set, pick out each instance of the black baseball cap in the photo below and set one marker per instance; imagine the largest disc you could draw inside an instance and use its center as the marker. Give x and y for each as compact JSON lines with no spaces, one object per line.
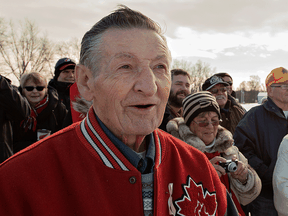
{"x":212,"y":81}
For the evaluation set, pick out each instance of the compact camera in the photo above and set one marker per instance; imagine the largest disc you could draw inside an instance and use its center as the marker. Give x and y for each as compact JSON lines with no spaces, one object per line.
{"x":229,"y":165}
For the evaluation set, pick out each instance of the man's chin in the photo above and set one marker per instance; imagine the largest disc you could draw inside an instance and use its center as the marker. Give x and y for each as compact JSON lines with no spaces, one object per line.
{"x":142,"y":129}
{"x":177,"y":104}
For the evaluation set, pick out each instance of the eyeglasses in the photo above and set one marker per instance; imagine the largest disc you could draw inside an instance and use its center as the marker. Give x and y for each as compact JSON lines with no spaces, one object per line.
{"x":230,"y":83}
{"x":206,"y":123}
{"x":31,"y":88}
{"x":280,"y":86}
{"x":215,"y":91}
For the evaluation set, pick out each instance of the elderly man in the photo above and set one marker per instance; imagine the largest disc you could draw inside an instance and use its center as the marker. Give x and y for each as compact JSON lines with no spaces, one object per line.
{"x":259,"y":134}
{"x":116,"y":161}
{"x":180,"y":88}
{"x":228,"y":79}
{"x":231,"y":111}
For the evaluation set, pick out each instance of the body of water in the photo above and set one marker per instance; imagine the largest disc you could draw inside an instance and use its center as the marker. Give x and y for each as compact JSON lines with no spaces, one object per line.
{"x":248,"y":106}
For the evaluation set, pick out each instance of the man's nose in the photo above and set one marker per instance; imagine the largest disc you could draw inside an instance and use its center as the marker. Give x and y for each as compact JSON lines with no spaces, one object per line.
{"x":185,"y":88}
{"x":146,"y":82}
{"x":220,"y":92}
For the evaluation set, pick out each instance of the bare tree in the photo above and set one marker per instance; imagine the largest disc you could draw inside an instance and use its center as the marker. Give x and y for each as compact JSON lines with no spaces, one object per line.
{"x":23,"y":50}
{"x":183,"y":64}
{"x":254,"y":84}
{"x":69,"y":49}
{"x":243,"y":86}
{"x":3,"y":28}
{"x":199,"y":72}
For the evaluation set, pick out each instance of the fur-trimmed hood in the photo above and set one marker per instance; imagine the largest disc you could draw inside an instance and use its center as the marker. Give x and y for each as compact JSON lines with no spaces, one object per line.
{"x":81,"y":105}
{"x":224,"y":139}
{"x":223,"y":144}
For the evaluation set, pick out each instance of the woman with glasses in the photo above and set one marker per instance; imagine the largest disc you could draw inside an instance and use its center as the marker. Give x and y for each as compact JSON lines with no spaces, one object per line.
{"x":47,"y":111}
{"x":200,"y":128}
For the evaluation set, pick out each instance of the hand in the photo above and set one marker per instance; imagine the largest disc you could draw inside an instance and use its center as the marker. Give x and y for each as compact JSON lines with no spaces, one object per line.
{"x":220,"y":170}
{"x":241,"y":173}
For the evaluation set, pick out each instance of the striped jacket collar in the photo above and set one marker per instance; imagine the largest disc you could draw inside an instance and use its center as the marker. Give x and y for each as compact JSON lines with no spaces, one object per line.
{"x":97,"y":142}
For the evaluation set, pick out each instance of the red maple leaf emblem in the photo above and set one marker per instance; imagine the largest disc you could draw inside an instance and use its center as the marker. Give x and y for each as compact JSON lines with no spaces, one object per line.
{"x":196,"y":201}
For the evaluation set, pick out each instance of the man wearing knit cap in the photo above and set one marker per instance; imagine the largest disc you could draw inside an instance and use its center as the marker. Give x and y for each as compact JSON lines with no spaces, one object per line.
{"x":62,"y":81}
{"x":231,"y":111}
{"x":259,"y":134}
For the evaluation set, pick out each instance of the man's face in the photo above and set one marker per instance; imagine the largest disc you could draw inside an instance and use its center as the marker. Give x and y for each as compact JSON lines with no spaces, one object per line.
{"x":132,"y":87}
{"x":230,"y":82}
{"x":180,"y":88}
{"x":220,"y":92}
{"x":66,"y":75}
{"x":278,"y":95}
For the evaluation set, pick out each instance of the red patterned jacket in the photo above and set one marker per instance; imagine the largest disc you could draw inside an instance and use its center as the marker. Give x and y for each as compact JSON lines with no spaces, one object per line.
{"x":78,"y":171}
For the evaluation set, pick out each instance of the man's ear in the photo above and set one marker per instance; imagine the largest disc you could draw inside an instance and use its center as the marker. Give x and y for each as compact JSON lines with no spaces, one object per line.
{"x":269,"y":90}
{"x":84,"y":78}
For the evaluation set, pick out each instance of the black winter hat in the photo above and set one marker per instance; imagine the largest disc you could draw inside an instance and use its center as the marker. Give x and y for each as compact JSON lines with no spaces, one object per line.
{"x":63,"y":63}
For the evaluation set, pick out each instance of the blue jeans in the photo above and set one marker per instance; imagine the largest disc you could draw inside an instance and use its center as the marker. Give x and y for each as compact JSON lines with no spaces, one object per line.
{"x":262,"y":207}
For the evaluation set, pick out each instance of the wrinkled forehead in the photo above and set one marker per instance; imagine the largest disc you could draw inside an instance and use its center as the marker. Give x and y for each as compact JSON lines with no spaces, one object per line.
{"x":131,"y":40}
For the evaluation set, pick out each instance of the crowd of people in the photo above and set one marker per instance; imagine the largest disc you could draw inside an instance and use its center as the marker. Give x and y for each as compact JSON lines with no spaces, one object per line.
{"x":122,"y":134}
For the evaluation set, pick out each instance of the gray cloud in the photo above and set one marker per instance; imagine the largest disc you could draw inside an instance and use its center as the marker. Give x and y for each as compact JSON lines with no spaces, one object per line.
{"x":246,"y":61}
{"x":65,"y":19}
{"x":199,"y":15}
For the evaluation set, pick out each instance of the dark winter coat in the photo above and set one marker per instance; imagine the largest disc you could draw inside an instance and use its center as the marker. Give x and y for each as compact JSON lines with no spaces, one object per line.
{"x":258,"y":136}
{"x":169,"y":114}
{"x":13,"y":107}
{"x":51,"y":118}
{"x":63,"y":90}
{"x":231,"y":114}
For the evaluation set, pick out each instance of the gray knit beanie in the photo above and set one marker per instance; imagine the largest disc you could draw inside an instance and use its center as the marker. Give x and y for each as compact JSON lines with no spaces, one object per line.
{"x":197,"y":103}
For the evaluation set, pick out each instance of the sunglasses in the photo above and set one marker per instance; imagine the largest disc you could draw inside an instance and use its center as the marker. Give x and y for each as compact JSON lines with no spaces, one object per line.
{"x":284,"y":87}
{"x":215,"y":91}
{"x":31,"y":88}
{"x":206,"y":123}
{"x":230,"y":83}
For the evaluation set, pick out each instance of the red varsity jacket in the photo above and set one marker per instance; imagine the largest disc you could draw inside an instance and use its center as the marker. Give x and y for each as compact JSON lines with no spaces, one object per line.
{"x":78,"y":171}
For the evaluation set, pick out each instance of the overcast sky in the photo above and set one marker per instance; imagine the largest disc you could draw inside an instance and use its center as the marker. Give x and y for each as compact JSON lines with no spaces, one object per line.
{"x":241,"y":37}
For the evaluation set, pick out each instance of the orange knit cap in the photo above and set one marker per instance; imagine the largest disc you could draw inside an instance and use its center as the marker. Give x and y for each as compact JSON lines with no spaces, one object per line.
{"x":277,"y":75}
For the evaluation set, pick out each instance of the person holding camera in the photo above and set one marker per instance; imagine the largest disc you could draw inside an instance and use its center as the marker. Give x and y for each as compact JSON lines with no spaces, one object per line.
{"x":200,"y":128}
